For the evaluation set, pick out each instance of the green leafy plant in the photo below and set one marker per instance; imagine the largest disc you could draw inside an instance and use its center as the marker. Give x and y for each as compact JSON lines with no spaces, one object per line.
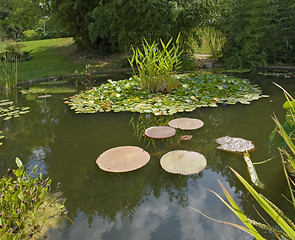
{"x":30,"y":35}
{"x":156,"y":66}
{"x":26,"y":204}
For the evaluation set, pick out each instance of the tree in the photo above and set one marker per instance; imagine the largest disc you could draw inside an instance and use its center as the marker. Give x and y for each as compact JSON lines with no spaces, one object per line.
{"x":17,"y":16}
{"x":244,"y":27}
{"x":258,"y":32}
{"x":111,"y":25}
{"x":124,"y":23}
{"x":74,"y":16}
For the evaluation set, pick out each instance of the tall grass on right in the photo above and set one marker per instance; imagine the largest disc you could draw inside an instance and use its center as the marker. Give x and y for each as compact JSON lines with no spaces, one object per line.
{"x":283,"y":227}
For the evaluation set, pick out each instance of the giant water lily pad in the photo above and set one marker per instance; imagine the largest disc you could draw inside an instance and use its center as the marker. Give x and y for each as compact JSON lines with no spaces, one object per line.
{"x":160,"y":132}
{"x":123,"y":159}
{"x":234,"y":144}
{"x":186,"y":123}
{"x":183,"y":162}
{"x":194,"y":91}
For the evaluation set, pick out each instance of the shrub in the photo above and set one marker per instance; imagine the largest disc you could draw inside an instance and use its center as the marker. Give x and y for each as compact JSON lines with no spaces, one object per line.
{"x":25,"y":203}
{"x":30,"y":35}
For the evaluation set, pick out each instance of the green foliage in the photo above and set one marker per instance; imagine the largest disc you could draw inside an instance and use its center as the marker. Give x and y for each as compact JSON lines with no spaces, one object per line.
{"x":287,"y":226}
{"x":25,"y":203}
{"x":194,"y":91}
{"x":257,"y":32}
{"x":30,"y":35}
{"x":245,"y":28}
{"x":74,"y":17}
{"x":17,"y":16}
{"x":155,"y":66}
{"x":124,"y":23}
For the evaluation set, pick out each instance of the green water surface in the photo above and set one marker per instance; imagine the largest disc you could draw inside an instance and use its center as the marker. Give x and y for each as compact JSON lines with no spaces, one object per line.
{"x":148,"y":203}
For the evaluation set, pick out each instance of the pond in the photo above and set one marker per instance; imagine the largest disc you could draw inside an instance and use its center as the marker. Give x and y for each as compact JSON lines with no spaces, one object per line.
{"x":148,"y":203}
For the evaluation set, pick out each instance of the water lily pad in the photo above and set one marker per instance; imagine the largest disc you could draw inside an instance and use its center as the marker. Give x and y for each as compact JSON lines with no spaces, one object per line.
{"x":123,"y":159}
{"x":5,"y":103}
{"x":186,"y":123}
{"x":183,"y":162}
{"x":234,"y":144}
{"x":160,"y":132}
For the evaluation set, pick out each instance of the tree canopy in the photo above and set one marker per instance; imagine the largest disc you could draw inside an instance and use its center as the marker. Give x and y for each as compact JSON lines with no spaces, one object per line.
{"x":17,"y":16}
{"x":255,"y":32}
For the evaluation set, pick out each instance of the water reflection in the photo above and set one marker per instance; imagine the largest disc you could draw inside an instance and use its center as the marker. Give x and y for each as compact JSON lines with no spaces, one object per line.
{"x":148,"y":203}
{"x":158,"y":218}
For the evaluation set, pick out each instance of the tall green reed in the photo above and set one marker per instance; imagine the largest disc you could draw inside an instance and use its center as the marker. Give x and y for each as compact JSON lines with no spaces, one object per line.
{"x":9,"y":64}
{"x":8,"y":78}
{"x":156,"y":65}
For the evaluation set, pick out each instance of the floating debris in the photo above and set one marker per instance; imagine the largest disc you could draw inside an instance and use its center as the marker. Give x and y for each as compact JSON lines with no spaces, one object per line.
{"x":234,"y":144}
{"x":160,"y":132}
{"x":123,"y":159}
{"x":44,"y":96}
{"x":183,"y":162}
{"x":186,"y":123}
{"x":252,"y":171}
{"x":185,"y":137}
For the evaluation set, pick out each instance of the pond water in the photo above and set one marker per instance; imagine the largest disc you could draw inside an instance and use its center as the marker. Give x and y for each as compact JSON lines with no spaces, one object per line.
{"x":148,"y":203}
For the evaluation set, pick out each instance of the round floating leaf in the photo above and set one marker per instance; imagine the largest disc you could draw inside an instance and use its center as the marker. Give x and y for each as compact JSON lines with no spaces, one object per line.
{"x":123,"y":159}
{"x":160,"y":132}
{"x":233,"y":144}
{"x":186,"y":123}
{"x":183,"y":162}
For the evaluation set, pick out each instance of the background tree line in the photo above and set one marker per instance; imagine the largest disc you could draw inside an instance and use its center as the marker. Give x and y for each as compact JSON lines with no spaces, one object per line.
{"x":254,"y":32}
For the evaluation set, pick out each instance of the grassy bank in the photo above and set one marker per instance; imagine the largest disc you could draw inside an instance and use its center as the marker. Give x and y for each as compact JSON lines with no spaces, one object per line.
{"x":51,"y":57}
{"x":57,"y":57}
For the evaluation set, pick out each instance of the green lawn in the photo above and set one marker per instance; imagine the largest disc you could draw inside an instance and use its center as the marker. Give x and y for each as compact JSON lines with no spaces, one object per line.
{"x":51,"y":57}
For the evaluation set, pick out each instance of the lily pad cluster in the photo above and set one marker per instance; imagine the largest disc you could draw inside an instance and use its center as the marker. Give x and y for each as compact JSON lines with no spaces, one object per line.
{"x":194,"y":91}
{"x":8,"y":110}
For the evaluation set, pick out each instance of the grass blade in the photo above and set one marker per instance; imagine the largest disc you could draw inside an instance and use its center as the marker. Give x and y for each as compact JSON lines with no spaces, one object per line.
{"x":266,"y":206}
